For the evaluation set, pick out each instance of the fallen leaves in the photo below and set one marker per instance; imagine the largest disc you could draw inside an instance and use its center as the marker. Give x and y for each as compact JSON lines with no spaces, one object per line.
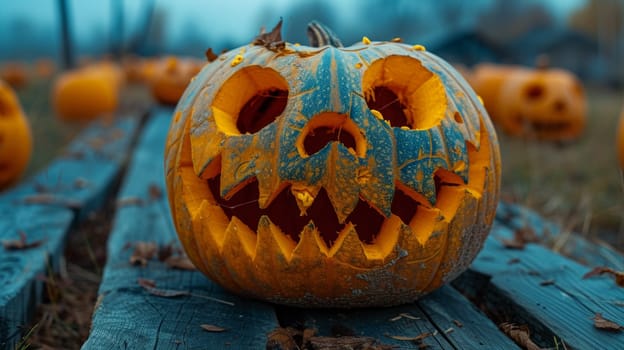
{"x":618,"y":276}
{"x":21,"y":243}
{"x":143,"y":251}
{"x":212,"y":328}
{"x":149,"y":285}
{"x":171,"y":256}
{"x":291,"y":338}
{"x":521,"y":237}
{"x":519,"y":334}
{"x":604,"y":324}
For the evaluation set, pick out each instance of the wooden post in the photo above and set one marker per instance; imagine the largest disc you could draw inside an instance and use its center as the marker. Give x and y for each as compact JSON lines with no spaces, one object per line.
{"x":66,"y":42}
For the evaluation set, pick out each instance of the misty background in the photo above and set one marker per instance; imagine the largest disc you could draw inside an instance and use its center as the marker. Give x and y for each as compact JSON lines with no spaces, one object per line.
{"x":585,"y":36}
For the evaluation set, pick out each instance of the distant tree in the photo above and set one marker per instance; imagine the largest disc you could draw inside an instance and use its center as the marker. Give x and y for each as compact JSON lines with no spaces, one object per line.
{"x":604,"y":20}
{"x":117,"y":28}
{"x":505,"y":20}
{"x":154,"y":42}
{"x":66,"y":39}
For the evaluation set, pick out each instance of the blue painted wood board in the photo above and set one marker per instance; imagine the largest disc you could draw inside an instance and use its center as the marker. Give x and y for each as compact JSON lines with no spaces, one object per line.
{"x":45,"y":207}
{"x":453,"y":321}
{"x":127,"y":316}
{"x":547,"y":291}
{"x":569,"y":244}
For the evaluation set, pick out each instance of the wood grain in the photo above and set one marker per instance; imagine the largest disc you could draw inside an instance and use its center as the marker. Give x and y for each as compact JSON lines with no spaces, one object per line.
{"x":546,"y":291}
{"x":45,"y":207}
{"x":128,"y":316}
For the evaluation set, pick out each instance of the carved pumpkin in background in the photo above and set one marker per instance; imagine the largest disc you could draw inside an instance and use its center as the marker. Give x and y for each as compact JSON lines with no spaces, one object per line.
{"x":547,"y":103}
{"x":171,"y":77}
{"x":331,"y":177}
{"x":87,"y":93}
{"x":15,"y":137}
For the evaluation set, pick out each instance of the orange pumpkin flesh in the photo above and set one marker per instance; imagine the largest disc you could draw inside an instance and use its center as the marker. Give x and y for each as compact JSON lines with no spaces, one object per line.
{"x":331,"y":177}
{"x":15,"y":137}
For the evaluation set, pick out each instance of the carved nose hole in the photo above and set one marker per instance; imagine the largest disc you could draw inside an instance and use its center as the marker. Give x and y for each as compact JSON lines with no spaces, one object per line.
{"x":319,"y":137}
{"x":329,"y":127}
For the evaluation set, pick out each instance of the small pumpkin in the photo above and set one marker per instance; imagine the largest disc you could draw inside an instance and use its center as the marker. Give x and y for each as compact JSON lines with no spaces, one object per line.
{"x":14,"y":73}
{"x":86,"y":93}
{"x":547,"y":103}
{"x":331,"y":177}
{"x":171,"y":77}
{"x":15,"y":137}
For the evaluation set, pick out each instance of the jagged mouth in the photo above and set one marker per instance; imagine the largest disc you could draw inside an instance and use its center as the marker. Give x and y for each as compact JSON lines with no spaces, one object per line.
{"x":543,"y":126}
{"x":284,"y":212}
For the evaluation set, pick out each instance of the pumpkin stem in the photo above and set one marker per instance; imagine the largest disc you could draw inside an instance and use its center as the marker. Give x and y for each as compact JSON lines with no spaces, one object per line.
{"x":320,"y":35}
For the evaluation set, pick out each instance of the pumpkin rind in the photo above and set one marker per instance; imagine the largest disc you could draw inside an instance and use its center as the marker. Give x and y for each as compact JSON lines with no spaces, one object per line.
{"x":445,"y":163}
{"x":15,"y":137}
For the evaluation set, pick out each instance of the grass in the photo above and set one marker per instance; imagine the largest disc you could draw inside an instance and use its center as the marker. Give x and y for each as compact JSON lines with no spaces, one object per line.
{"x":578,"y":185}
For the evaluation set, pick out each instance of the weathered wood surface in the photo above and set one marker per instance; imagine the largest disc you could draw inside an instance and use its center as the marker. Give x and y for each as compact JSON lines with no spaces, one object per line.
{"x":546,"y":291}
{"x":569,"y":244}
{"x":129,"y":317}
{"x":45,"y":207}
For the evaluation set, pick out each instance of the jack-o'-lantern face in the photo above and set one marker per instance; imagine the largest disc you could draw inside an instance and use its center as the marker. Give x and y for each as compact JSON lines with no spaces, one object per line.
{"x":546,"y":104}
{"x":366,"y":175}
{"x":15,"y":137}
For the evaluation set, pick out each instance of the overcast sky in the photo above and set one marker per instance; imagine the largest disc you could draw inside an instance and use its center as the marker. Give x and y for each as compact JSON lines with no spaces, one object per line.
{"x":235,"y":21}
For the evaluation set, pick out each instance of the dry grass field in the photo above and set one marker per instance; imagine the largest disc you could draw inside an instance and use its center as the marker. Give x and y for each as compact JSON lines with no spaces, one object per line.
{"x":578,"y":185}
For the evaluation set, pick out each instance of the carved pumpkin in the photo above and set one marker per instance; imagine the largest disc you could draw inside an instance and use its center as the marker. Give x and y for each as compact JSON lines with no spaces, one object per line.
{"x":171,"y":78}
{"x":87,"y":93}
{"x":331,"y":177}
{"x":15,"y":137}
{"x":547,"y":104}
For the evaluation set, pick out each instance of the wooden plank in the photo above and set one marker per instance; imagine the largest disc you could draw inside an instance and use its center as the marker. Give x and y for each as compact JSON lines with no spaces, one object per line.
{"x":44,"y":208}
{"x":444,"y":318}
{"x":544,"y":290}
{"x":569,"y":244}
{"x":127,"y":316}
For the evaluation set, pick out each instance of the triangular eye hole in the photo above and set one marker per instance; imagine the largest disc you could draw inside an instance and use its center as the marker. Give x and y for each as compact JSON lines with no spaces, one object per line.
{"x":250,"y":99}
{"x":403,"y":92}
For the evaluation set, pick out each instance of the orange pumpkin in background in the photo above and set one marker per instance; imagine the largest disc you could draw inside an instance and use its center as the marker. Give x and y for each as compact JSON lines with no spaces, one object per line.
{"x":15,"y":137}
{"x":87,"y":93}
{"x":171,"y":77}
{"x":331,"y":177}
{"x":14,"y":73}
{"x":547,"y":103}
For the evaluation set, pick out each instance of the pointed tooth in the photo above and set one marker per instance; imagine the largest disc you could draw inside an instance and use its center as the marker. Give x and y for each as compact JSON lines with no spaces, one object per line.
{"x":384,"y":247}
{"x":209,"y":232}
{"x":206,"y":140}
{"x":304,"y":195}
{"x":340,"y":181}
{"x":239,"y":163}
{"x":273,"y":244}
{"x":239,"y":238}
{"x":348,"y":248}
{"x":237,"y":253}
{"x":311,"y":247}
{"x":273,"y":258}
